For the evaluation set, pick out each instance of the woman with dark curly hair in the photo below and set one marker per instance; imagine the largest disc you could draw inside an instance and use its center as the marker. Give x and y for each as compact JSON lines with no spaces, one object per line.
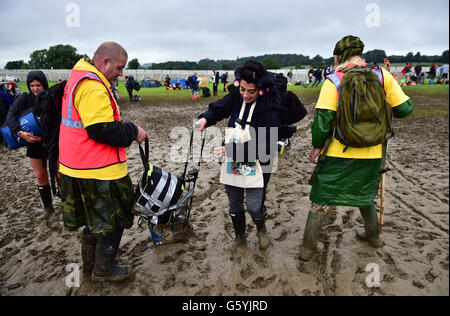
{"x":253,"y":110}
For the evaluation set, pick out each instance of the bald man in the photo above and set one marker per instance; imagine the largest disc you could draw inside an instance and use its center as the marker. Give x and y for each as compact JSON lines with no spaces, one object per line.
{"x":98,"y":193}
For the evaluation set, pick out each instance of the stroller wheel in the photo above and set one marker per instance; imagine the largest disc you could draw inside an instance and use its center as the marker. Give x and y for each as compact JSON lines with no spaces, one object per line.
{"x":168,"y":236}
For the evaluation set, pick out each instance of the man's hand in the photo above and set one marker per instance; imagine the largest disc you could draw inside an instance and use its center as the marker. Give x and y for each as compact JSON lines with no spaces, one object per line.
{"x":201,"y":125}
{"x":29,"y":137}
{"x":141,"y":135}
{"x":315,"y":152}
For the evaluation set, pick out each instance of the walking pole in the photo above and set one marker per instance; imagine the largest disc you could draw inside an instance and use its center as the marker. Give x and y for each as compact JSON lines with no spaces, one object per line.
{"x":383,"y":199}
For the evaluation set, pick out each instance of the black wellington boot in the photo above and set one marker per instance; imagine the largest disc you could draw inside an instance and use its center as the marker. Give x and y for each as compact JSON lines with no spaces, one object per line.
{"x":239,"y":224}
{"x":105,"y":268}
{"x":47,"y":201}
{"x":88,"y":246}
{"x":263,"y":235}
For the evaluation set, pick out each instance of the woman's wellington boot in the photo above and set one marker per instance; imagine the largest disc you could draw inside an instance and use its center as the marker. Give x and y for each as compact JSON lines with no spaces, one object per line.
{"x":263,"y":235}
{"x":46,"y":197}
{"x":239,"y":225}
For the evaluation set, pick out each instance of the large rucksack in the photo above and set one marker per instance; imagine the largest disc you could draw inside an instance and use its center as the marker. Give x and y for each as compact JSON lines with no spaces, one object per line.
{"x":136,"y":86}
{"x":363,"y":118}
{"x":190,"y":82}
{"x":48,"y":106}
{"x":292,"y":109}
{"x":223,"y":78}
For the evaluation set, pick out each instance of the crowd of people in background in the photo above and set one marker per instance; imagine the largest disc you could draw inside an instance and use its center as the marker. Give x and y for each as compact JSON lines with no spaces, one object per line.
{"x":415,"y":75}
{"x":316,"y":75}
{"x":410,"y":74}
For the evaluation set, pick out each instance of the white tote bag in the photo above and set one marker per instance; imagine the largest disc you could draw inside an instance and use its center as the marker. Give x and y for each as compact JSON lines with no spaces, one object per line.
{"x":238,"y":174}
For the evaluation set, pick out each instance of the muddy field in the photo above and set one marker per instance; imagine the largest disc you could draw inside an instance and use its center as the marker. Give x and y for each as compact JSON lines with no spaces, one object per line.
{"x":34,"y":252}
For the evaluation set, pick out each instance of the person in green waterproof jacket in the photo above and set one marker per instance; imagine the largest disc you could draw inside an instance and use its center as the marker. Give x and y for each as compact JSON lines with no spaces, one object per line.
{"x":349,"y":176}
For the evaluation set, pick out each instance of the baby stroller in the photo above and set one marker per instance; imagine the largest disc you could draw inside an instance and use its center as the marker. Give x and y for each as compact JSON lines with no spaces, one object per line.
{"x":164,"y":201}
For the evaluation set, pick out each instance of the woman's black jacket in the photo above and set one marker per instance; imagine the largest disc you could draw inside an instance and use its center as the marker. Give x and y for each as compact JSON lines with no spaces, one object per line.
{"x":266,"y":115}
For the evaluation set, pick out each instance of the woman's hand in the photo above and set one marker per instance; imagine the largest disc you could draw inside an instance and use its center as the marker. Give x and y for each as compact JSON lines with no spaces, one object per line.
{"x":201,"y":125}
{"x":29,"y":137}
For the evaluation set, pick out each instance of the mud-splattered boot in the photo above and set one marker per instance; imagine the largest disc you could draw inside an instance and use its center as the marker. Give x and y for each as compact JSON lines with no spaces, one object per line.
{"x":311,"y":245}
{"x":371,"y":231}
{"x":105,"y":268}
{"x":263,"y":235}
{"x":88,"y":246}
{"x":46,"y":197}
{"x":239,"y":225}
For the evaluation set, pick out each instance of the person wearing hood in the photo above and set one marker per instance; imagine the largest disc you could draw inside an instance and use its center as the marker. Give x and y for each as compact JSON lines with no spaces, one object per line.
{"x":253,"y":110}
{"x":36,"y":82}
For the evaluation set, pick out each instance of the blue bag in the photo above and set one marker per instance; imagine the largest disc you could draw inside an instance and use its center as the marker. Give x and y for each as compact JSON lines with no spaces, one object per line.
{"x":29,"y":123}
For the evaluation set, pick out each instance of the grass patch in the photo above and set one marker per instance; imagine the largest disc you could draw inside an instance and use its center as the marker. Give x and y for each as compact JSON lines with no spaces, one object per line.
{"x":437,"y":90}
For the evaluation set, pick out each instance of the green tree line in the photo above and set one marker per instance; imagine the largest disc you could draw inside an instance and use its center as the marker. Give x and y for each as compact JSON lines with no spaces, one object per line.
{"x":298,"y":61}
{"x":66,"y":56}
{"x":56,"y":57}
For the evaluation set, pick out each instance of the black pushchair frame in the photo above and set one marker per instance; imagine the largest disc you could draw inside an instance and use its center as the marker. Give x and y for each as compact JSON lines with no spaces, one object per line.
{"x":181,"y":211}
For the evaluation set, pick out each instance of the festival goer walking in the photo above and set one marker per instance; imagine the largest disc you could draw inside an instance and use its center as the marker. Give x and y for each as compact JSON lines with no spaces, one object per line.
{"x":225,"y":81}
{"x":115,"y":89}
{"x":418,"y":69}
{"x":129,"y":85}
{"x":290,"y":75}
{"x":97,"y":189}
{"x":310,"y":75}
{"x":407,"y":72}
{"x":387,"y":64}
{"x":254,"y":107}
{"x":216,"y":79}
{"x":195,"y":87}
{"x":348,"y":176}
{"x":317,"y":76}
{"x":36,"y":82}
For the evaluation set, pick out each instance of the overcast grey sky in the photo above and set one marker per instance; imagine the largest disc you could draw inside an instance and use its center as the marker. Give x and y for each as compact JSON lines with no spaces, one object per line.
{"x":158,"y":31}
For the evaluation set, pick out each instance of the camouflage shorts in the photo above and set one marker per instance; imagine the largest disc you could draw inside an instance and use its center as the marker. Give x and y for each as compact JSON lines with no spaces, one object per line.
{"x":102,"y":206}
{"x":322,"y":209}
